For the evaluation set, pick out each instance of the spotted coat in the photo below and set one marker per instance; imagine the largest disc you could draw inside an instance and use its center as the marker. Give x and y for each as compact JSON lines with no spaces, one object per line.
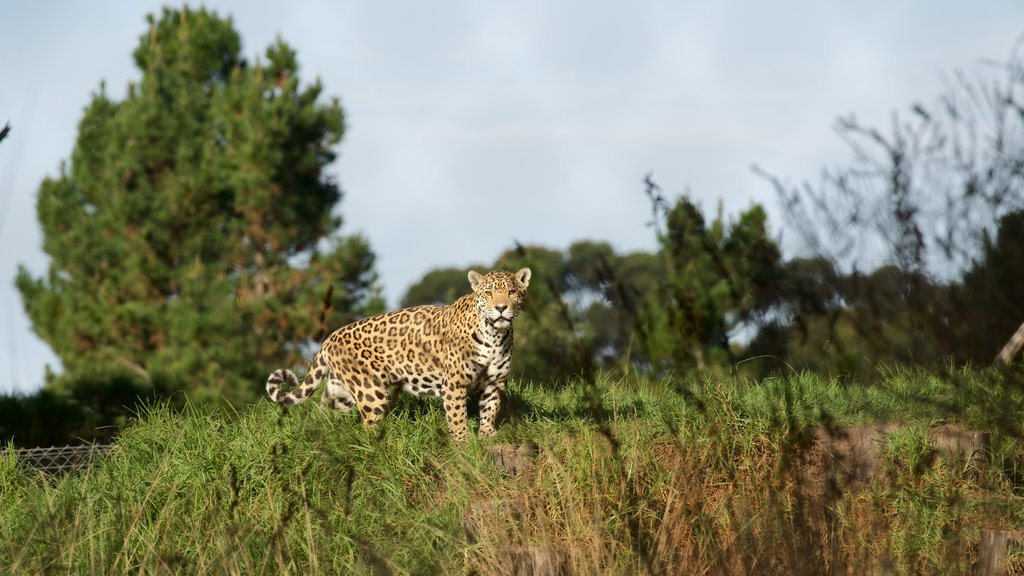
{"x":444,"y":351}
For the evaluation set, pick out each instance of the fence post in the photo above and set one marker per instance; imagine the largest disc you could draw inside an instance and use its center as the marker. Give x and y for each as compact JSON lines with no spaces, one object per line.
{"x":995,"y":546}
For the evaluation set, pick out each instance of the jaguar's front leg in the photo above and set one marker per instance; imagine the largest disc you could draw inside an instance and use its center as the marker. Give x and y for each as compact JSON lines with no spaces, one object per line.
{"x":490,"y":404}
{"x":455,"y":410}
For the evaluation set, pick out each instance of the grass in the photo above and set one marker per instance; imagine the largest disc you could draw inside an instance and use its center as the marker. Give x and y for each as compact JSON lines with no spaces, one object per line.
{"x":713,"y":475}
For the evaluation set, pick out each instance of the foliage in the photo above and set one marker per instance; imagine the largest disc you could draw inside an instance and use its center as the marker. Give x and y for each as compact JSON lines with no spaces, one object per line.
{"x":822,"y":319}
{"x":549,"y":346}
{"x":907,"y":227}
{"x":717,"y":276}
{"x":990,"y":295}
{"x":100,"y":404}
{"x":696,"y":475}
{"x":192,"y":236}
{"x":591,"y":308}
{"x":439,"y":287}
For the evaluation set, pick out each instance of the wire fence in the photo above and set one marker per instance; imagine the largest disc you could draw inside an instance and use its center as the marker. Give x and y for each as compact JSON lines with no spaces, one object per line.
{"x":58,"y":459}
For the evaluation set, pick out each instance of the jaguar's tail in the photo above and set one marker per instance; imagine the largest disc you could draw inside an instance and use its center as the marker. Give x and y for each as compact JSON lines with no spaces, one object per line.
{"x":314,"y":376}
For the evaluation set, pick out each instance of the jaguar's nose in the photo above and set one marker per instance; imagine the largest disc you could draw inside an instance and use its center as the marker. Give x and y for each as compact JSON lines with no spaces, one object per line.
{"x":501,"y":308}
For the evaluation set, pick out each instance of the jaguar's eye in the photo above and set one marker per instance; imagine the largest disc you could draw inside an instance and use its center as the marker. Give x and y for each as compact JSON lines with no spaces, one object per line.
{"x":511,"y":292}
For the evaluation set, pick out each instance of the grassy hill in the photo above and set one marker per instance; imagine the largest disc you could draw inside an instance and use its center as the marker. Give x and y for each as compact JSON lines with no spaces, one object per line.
{"x":717,"y":475}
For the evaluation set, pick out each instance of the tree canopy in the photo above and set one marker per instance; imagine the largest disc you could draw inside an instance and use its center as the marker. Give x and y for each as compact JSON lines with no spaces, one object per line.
{"x":193,"y":234}
{"x":591,"y":308}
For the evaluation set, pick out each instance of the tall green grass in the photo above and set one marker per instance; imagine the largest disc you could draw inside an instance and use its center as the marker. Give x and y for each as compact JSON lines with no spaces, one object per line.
{"x":710,"y":475}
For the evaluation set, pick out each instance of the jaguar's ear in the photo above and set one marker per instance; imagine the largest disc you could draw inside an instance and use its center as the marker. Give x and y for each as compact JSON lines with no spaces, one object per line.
{"x":523,"y":277}
{"x":474,"y":279}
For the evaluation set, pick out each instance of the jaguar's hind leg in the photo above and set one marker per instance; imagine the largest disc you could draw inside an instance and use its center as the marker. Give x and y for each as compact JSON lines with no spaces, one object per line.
{"x":337,"y":396}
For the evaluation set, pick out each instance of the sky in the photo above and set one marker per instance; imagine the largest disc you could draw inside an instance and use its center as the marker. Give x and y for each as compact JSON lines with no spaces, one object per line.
{"x":473,"y":125}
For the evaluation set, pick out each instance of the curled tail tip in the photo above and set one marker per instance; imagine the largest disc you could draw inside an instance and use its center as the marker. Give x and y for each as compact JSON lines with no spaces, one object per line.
{"x":285,"y":376}
{"x":275,"y":380}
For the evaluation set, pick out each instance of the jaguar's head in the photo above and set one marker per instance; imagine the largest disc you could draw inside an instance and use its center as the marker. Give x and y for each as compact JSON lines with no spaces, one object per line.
{"x":499,"y":295}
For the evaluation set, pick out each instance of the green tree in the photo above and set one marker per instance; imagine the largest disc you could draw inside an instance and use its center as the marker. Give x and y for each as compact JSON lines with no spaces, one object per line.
{"x":439,"y":287}
{"x":911,"y":211}
{"x":822,"y":320}
{"x":192,"y":237}
{"x":990,"y":295}
{"x":590,"y":308}
{"x":718,"y":276}
{"x":550,"y":342}
{"x":805,"y":310}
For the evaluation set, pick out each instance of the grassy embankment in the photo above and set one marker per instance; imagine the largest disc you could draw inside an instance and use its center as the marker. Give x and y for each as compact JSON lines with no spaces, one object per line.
{"x":714,"y":475}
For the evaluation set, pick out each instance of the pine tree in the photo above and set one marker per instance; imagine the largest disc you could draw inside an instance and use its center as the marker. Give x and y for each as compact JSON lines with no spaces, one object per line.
{"x":192,"y":238}
{"x":718,"y":276}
